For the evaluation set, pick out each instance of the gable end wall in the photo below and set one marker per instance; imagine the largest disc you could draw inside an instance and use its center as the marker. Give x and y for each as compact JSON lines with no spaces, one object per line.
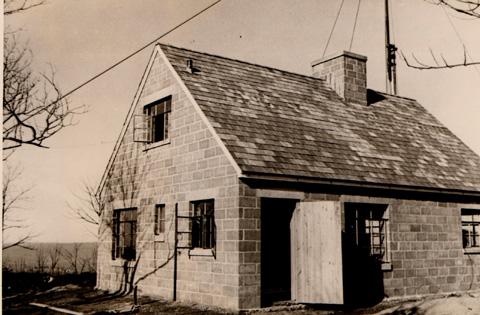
{"x":192,"y":166}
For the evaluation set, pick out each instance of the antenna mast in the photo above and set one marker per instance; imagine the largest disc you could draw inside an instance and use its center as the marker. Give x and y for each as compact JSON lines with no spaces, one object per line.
{"x":390,"y":49}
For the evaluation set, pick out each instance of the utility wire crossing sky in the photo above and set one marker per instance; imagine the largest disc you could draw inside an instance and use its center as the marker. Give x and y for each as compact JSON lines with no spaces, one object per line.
{"x":82,"y":38}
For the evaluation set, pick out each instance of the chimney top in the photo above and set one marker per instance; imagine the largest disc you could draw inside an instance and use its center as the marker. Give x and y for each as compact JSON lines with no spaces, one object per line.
{"x":346,"y":73}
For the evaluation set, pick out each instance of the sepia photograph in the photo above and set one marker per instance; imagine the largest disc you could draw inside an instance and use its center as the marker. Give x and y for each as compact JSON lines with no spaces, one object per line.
{"x":241,"y":156}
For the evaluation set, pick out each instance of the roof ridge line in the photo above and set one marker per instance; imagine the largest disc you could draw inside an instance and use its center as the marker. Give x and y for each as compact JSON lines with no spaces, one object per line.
{"x":393,"y":95}
{"x":271,"y":68}
{"x":243,"y":61}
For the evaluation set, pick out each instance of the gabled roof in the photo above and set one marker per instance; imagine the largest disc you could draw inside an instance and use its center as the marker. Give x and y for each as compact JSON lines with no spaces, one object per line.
{"x":279,"y":123}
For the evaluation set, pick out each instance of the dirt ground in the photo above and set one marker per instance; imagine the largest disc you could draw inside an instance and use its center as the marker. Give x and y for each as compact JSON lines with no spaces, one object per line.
{"x":86,"y":300}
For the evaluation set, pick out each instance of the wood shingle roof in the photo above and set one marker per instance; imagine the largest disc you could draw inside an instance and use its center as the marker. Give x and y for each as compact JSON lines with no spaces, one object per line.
{"x":280,"y":123}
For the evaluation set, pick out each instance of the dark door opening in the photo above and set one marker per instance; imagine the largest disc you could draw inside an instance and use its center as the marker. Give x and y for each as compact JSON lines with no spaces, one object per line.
{"x":364,"y":247}
{"x":275,"y":250}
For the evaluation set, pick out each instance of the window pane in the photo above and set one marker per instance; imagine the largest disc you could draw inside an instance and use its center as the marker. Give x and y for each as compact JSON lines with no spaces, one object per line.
{"x":165,"y":126}
{"x":124,"y":234}
{"x":159,"y":112}
{"x":159,"y":219}
{"x":162,"y":219}
{"x":203,"y":224}
{"x":365,"y":227}
{"x":470,"y":228}
{"x":156,"y":227}
{"x":158,"y":128}
{"x":168,"y":105}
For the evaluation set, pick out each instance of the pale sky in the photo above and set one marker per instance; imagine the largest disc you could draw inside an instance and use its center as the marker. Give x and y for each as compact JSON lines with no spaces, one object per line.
{"x":82,"y":38}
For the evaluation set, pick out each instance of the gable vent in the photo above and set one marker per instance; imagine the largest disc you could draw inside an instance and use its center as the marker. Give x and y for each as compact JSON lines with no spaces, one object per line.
{"x":190,"y":67}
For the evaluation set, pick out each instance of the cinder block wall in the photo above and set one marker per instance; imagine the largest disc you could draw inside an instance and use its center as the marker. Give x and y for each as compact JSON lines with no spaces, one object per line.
{"x":425,"y":245}
{"x":249,"y":247}
{"x":427,"y":251}
{"x":191,"y":167}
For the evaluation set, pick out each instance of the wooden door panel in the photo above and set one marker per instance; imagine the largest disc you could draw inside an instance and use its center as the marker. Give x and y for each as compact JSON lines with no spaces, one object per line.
{"x":316,"y":253}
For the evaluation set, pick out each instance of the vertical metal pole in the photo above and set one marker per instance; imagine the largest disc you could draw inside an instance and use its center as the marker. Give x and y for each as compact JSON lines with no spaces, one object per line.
{"x":175,"y":255}
{"x":387,"y":51}
{"x":391,"y":67}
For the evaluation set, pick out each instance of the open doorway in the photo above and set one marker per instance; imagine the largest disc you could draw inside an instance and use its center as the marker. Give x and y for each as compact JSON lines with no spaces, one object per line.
{"x":364,"y":250}
{"x":275,"y":251}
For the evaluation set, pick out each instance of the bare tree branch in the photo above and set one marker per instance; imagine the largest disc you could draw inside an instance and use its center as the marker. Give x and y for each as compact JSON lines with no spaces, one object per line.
{"x":90,"y":205}
{"x":417,"y":64}
{"x":20,"y":243}
{"x":73,"y":258}
{"x":41,"y":258}
{"x":33,"y":107}
{"x":467,"y":7}
{"x":13,"y":199}
{"x":12,"y":6}
{"x":54,"y":253}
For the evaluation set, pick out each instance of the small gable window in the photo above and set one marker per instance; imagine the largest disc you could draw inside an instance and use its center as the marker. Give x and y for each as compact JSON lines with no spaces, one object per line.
{"x":203,"y":224}
{"x":159,"y":113}
{"x":153,"y":125}
{"x":471,"y":228}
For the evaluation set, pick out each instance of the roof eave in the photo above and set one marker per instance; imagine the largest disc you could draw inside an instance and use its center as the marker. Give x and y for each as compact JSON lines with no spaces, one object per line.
{"x":359,"y":184}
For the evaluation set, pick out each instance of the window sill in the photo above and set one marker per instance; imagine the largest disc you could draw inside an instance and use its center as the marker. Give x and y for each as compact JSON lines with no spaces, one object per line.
{"x":472,"y":250}
{"x":157,"y":144}
{"x":119,"y":262}
{"x":160,"y":238}
{"x":387,"y":266}
{"x":206,"y":252}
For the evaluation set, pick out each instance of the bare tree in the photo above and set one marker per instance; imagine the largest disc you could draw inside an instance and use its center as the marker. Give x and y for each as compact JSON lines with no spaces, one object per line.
{"x":90,"y":205}
{"x":13,"y":198}
{"x":20,"y":265}
{"x":470,"y":8}
{"x":41,"y":259}
{"x":73,"y":258}
{"x":90,"y":262}
{"x":54,"y":253}
{"x":34,"y":110}
{"x":33,"y":106}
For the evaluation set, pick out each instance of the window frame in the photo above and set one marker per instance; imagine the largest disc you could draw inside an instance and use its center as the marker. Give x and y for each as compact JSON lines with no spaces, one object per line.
{"x":160,"y":222}
{"x":470,"y":217}
{"x":378,"y":217}
{"x":161,"y":110}
{"x":120,"y":250}
{"x":203,"y":224}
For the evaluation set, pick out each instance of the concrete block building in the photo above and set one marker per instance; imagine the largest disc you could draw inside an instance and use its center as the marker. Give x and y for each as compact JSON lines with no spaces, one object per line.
{"x":238,"y":185}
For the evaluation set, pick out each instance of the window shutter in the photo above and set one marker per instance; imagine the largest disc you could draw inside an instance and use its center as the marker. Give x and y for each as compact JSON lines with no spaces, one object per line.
{"x":142,"y":128}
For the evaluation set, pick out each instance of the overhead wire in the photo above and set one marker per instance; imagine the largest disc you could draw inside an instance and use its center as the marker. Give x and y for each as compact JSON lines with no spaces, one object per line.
{"x":135,"y":52}
{"x":72,"y":146}
{"x":355,"y":25}
{"x":333,"y":28}
{"x":460,"y":39}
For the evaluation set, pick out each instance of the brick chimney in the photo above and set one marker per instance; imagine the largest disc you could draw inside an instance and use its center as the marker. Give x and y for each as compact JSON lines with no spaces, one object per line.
{"x":346,"y":73}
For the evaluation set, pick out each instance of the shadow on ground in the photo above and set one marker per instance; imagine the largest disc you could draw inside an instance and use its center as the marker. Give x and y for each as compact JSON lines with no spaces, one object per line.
{"x":87,"y":300}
